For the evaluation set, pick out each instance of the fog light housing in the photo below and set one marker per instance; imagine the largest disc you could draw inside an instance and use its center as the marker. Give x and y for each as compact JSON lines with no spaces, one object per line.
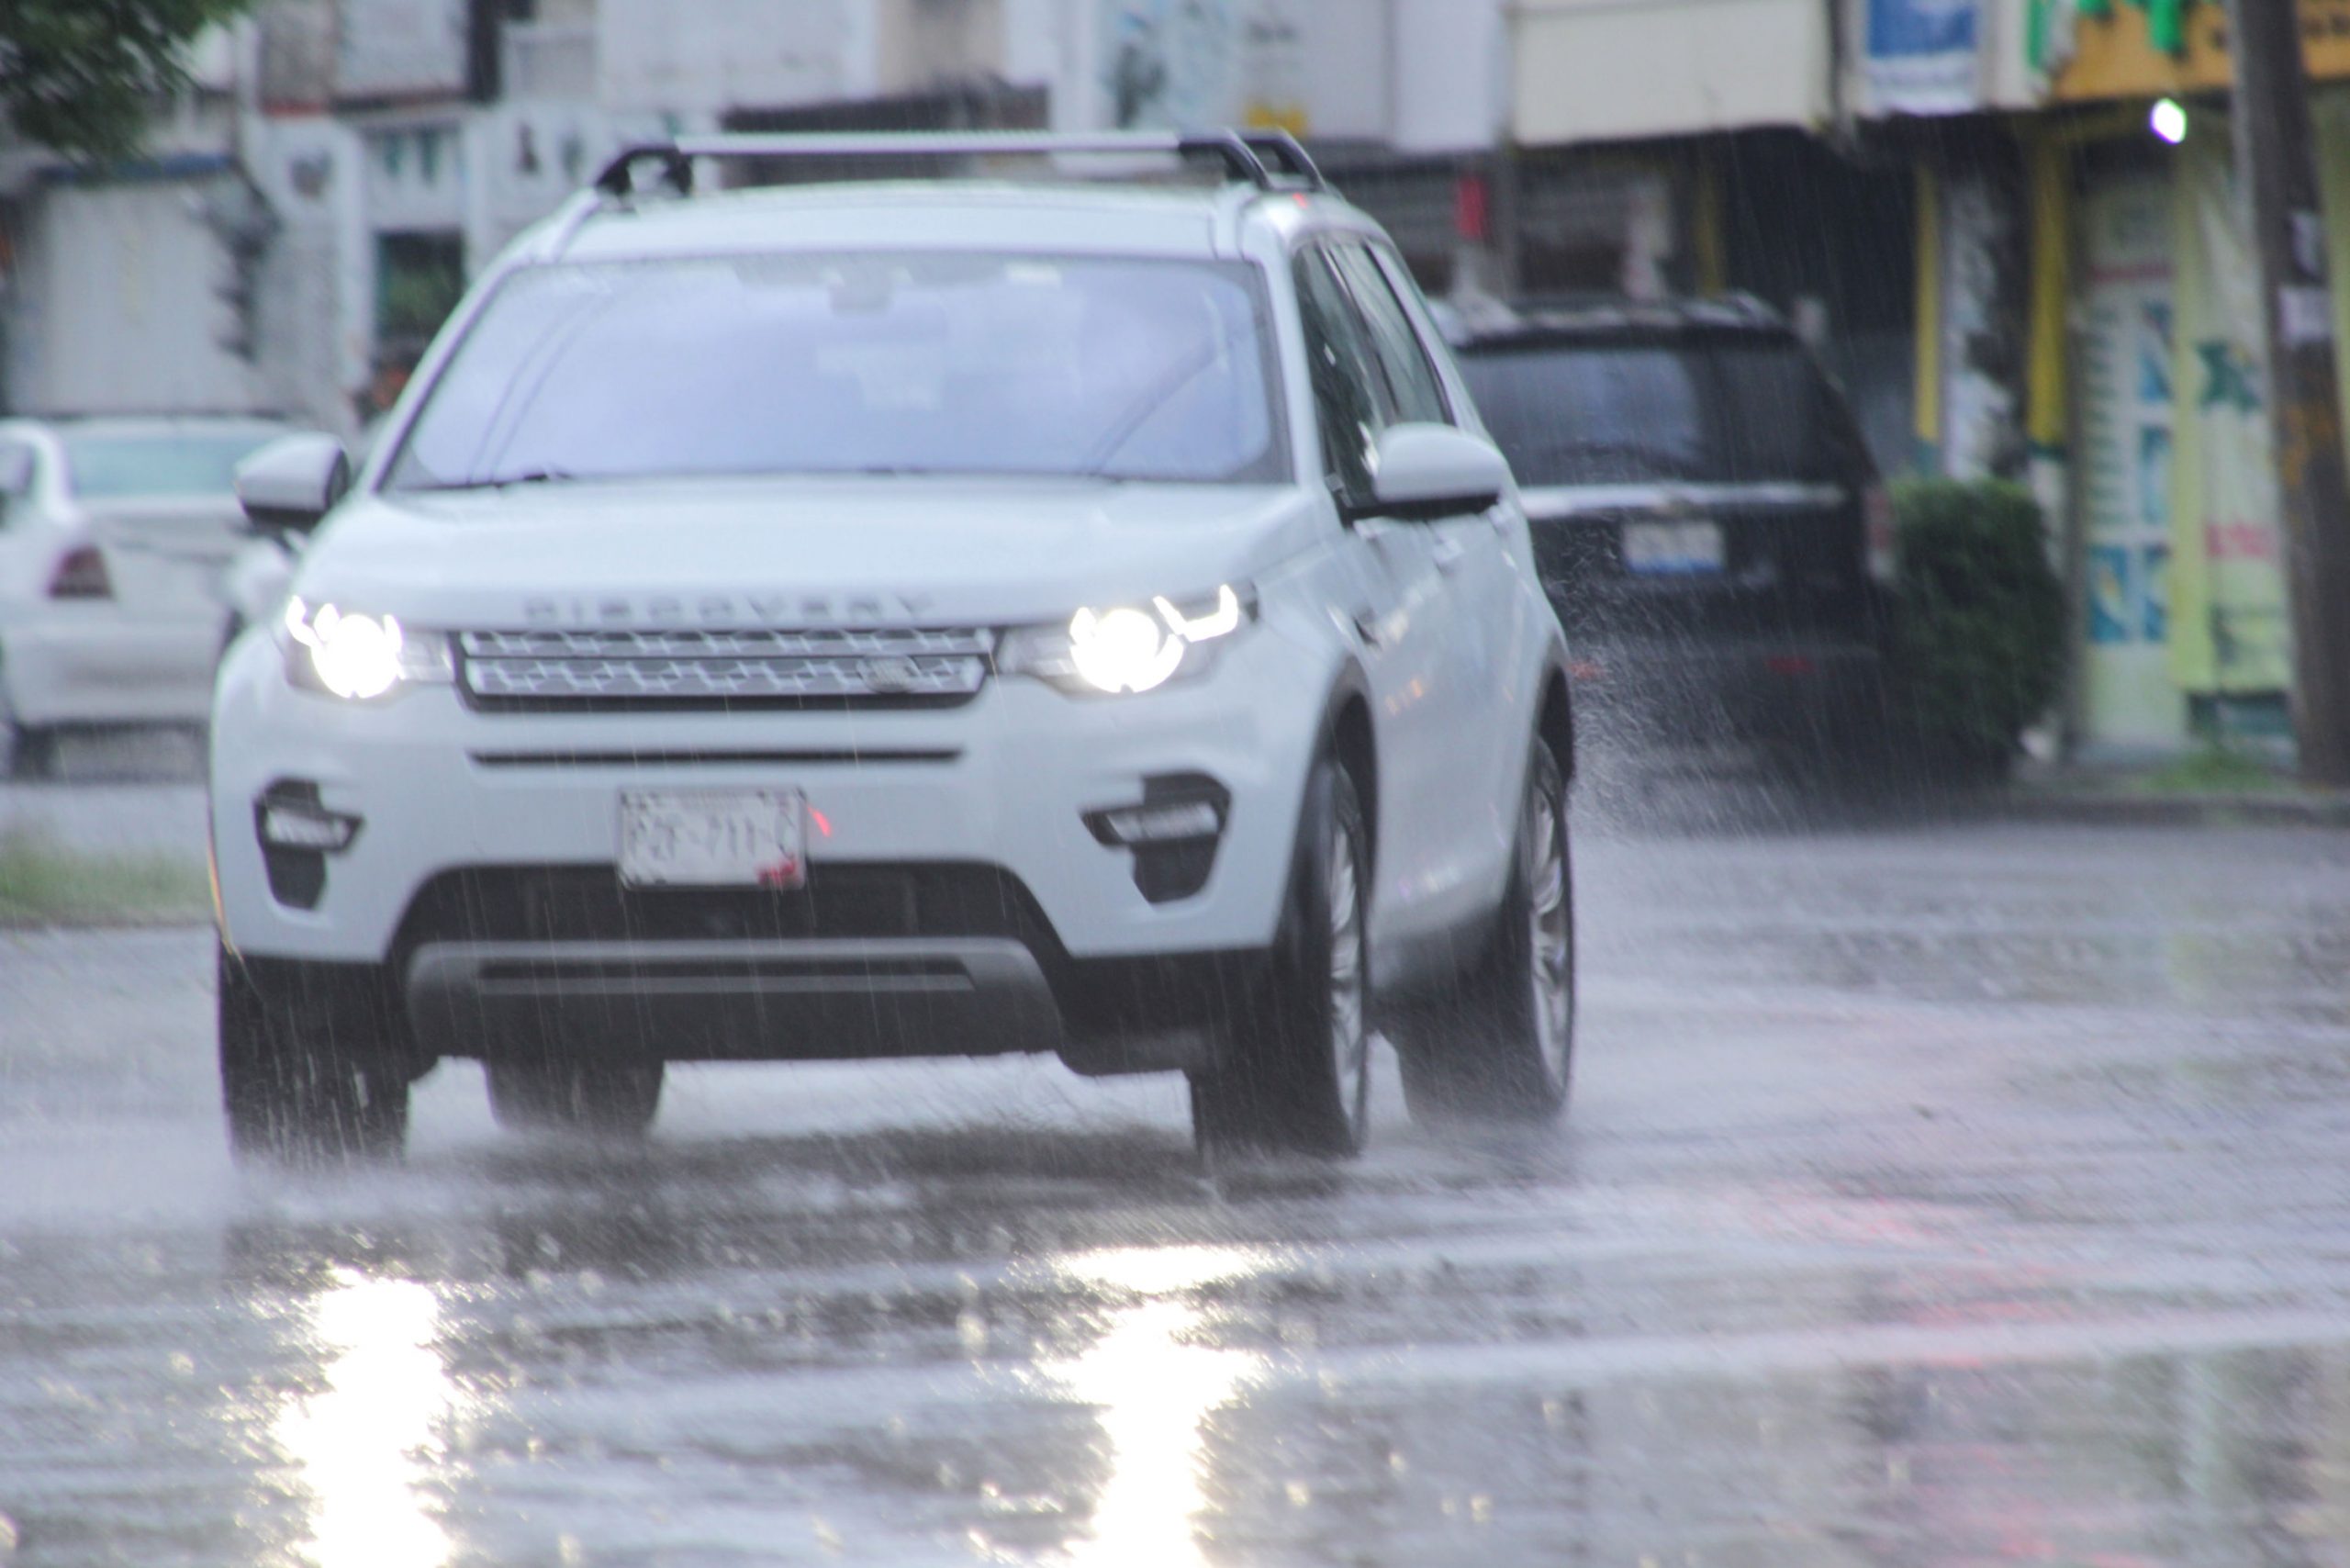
{"x":297,"y":834}
{"x":1174,"y":833}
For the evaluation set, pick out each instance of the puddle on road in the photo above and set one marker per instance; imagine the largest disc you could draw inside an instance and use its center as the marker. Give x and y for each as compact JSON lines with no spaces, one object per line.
{"x":872,"y":1348}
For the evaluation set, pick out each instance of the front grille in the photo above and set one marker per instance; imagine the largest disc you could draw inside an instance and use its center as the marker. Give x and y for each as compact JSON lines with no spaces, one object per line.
{"x":588,"y":903}
{"x":568,"y":670}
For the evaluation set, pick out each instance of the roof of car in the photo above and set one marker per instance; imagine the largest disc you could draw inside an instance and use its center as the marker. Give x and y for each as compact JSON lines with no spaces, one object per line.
{"x":1493,"y":322}
{"x":1066,"y":215}
{"x":145,"y":424}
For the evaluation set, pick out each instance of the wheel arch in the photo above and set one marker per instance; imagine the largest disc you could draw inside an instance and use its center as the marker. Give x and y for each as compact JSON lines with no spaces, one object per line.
{"x":1554,"y":720}
{"x":1347,"y":734}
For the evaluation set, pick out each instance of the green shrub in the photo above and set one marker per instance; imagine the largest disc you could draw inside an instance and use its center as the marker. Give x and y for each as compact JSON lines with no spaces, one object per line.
{"x":1980,"y":649}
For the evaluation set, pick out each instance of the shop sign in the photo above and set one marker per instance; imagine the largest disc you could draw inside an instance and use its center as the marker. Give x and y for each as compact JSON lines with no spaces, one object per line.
{"x":2116,"y":54}
{"x":1923,"y":56}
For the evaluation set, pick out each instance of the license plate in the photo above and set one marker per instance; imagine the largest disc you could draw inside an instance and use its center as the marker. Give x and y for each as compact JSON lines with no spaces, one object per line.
{"x":1671,"y":549}
{"x":714,"y":838}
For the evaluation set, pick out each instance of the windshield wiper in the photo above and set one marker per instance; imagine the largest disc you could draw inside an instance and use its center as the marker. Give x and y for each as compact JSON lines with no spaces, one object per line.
{"x":499,"y":482}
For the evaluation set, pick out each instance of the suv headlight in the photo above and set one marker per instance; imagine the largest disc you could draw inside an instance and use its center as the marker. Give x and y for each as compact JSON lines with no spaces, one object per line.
{"x":1128,"y":648}
{"x":359,"y":658}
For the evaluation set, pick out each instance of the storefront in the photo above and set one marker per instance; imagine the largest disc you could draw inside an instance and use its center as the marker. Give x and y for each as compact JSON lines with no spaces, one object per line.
{"x":2175,"y":539}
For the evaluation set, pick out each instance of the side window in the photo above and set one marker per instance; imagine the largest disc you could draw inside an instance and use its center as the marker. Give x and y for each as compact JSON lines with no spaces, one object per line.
{"x":1419,"y":395}
{"x":1351,"y":401}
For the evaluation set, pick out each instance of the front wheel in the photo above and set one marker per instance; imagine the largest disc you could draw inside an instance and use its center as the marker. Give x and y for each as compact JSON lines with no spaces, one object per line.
{"x":32,"y":752}
{"x":302,"y":1080}
{"x":1504,"y":1051}
{"x":1296,"y":1074}
{"x":26,"y":751}
{"x":616,"y":1098}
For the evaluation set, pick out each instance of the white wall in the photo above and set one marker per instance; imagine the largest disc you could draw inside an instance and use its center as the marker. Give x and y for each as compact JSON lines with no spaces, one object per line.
{"x":1596,"y":70}
{"x":112,"y":309}
{"x":1452,"y":74}
{"x":1323,"y":64}
{"x":709,"y":56}
{"x":399,"y":47}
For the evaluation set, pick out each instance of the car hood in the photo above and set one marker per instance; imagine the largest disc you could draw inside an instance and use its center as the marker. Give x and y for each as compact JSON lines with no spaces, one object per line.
{"x":797,"y":553}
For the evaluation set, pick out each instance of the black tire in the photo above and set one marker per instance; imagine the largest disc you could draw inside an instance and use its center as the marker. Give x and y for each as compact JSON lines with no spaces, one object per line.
{"x":301,"y":1080}
{"x":1503,"y":1049}
{"x":32,"y":751}
{"x":1296,"y":1072}
{"x":612,"y":1098}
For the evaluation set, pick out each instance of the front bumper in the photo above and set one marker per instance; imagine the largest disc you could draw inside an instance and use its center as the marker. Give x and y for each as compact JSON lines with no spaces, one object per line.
{"x":720,"y":1001}
{"x":1006,"y":782}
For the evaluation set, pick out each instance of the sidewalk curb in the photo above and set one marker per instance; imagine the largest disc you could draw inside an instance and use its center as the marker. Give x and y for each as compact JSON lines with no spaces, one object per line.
{"x":2129,"y":809}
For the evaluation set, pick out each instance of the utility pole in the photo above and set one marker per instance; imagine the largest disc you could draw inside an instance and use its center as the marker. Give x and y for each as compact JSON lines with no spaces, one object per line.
{"x":2276,"y":165}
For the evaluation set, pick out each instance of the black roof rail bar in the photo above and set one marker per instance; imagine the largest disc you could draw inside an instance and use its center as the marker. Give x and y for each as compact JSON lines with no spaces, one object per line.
{"x":1241,"y":150}
{"x":1286,"y":150}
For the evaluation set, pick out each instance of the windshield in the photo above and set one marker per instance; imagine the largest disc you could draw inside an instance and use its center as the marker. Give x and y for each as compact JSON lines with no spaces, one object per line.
{"x":1597,"y":413}
{"x":931,"y":362}
{"x":101,"y":466}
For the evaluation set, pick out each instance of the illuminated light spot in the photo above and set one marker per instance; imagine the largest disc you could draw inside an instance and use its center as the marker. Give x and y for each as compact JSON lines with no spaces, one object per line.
{"x":823,"y":824}
{"x":364,"y":1441}
{"x":2168,"y":122}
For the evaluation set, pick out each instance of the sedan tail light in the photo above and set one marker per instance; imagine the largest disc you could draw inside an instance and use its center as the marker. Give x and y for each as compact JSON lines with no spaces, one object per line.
{"x":82,"y":574}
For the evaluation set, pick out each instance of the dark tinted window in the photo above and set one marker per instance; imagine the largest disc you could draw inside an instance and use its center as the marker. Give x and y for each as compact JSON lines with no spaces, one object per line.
{"x":812,"y":364}
{"x":1607,"y":411}
{"x":1410,"y":380}
{"x":1777,"y":420}
{"x":1350,"y":396}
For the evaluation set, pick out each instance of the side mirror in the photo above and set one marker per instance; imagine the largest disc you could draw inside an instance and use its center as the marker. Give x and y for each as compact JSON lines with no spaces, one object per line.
{"x":291,"y":483}
{"x":1429,"y":471}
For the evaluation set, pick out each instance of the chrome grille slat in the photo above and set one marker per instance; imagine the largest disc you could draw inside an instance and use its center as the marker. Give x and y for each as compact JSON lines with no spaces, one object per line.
{"x":657,"y":668}
{"x":753,"y":644}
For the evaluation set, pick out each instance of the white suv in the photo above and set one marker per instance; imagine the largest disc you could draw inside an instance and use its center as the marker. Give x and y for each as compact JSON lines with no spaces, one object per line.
{"x":879,"y":620}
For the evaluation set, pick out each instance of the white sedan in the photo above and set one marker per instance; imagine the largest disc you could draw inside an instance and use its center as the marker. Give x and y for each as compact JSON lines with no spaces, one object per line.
{"x":114,"y":536}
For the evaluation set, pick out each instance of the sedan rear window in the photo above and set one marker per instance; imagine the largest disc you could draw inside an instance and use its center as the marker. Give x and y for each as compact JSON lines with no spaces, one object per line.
{"x":822,"y":364}
{"x":100,"y":467}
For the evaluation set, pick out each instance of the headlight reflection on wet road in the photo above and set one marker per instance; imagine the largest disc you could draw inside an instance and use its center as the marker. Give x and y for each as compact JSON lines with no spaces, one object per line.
{"x":362,"y":1444}
{"x":1154,"y":1387}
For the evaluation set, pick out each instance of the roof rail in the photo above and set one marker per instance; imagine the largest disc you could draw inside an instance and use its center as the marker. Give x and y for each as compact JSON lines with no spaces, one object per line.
{"x":1247,"y":154}
{"x":1285,"y":149}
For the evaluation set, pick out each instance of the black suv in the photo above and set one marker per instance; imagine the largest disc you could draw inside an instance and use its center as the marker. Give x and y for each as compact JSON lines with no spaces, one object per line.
{"x":1706,"y":518}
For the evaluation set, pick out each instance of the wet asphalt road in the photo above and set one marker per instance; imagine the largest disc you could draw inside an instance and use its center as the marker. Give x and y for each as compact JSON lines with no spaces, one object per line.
{"x":1961,"y":1194}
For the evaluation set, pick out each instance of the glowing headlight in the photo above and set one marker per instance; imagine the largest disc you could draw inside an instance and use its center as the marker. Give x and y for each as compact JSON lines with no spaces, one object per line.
{"x":359,"y":656}
{"x":1126,"y":648}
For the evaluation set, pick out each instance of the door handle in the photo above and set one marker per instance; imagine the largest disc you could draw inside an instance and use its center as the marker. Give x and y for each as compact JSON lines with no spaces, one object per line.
{"x":1367,"y":627}
{"x":1448,"y":554}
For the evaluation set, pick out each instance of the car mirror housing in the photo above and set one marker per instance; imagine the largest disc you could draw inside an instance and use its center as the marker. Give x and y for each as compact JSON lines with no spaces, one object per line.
{"x":1429,"y":471}
{"x":289,"y":485}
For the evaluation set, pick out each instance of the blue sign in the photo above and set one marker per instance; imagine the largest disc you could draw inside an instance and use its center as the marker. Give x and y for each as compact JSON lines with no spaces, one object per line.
{"x":1924,"y":56}
{"x":1904,"y":29}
